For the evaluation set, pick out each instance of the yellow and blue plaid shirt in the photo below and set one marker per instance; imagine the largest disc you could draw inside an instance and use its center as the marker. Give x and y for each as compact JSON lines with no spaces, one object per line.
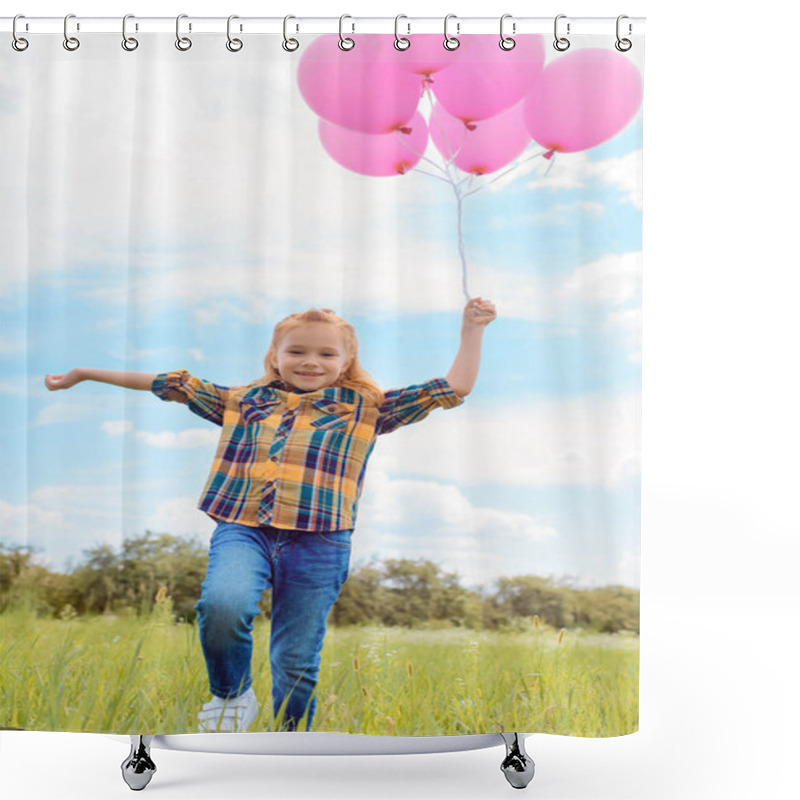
{"x":294,"y":459}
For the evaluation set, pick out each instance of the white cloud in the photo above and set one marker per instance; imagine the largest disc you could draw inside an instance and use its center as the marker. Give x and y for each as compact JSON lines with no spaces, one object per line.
{"x":180,"y":516}
{"x":445,"y":508}
{"x":188,"y":438}
{"x":79,"y":403}
{"x":61,"y":412}
{"x":63,"y":520}
{"x":436,"y":521}
{"x":576,"y":170}
{"x":590,"y":440}
{"x":117,"y":427}
{"x":629,"y":320}
{"x":95,"y":225}
{"x":594,"y":294}
{"x":57,"y":526}
{"x":612,"y":280}
{"x":561,"y":212}
{"x":324,"y":272}
{"x":26,"y":523}
{"x":93,"y":500}
{"x":625,"y":173}
{"x":629,"y":569}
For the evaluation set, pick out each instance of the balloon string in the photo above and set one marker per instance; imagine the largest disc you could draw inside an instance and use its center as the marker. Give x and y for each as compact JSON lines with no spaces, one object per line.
{"x":511,"y":169}
{"x":455,"y":186}
{"x":430,"y":174}
{"x":459,"y":200}
{"x":436,"y":119}
{"x":401,"y":138}
{"x":449,"y":167}
{"x":422,"y":157}
{"x":450,"y":178}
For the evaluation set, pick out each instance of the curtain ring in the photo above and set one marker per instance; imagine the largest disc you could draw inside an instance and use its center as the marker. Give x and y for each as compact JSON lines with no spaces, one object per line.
{"x":70,"y":42}
{"x":181,"y":42}
{"x":234,"y":45}
{"x":397,"y":38}
{"x":506,"y":42}
{"x":128,"y":42}
{"x":350,"y":43}
{"x":18,"y":43}
{"x":561,"y":43}
{"x":451,"y":42}
{"x":623,"y":45}
{"x":289,"y":44}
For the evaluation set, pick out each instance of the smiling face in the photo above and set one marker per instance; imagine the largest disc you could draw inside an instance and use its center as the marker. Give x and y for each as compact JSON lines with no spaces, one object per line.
{"x":311,"y":356}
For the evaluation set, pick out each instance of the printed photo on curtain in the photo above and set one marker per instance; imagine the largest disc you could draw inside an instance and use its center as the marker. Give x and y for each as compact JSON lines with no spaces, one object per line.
{"x":321,"y":373}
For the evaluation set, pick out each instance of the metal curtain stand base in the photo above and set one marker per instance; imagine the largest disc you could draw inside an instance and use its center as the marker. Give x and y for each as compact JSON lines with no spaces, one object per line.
{"x":138,"y":768}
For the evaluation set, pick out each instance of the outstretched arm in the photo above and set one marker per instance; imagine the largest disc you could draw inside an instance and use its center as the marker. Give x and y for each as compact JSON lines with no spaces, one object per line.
{"x":478,"y":313}
{"x":128,"y":380}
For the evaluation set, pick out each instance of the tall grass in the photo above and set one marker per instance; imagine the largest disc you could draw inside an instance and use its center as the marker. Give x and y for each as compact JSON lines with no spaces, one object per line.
{"x":141,"y":675}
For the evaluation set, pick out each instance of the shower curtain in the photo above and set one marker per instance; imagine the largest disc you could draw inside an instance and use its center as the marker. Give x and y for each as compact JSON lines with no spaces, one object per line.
{"x":320,"y":382}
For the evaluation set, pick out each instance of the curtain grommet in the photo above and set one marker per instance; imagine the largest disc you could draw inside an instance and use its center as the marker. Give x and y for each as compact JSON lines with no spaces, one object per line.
{"x":129,"y":43}
{"x":451,"y":42}
{"x":290,"y":45}
{"x":561,"y":43}
{"x":506,"y":42}
{"x":345,"y":44}
{"x":183,"y":43}
{"x":70,"y":42}
{"x":397,"y":38}
{"x":233,"y":45}
{"x":19,"y":43}
{"x":623,"y":45}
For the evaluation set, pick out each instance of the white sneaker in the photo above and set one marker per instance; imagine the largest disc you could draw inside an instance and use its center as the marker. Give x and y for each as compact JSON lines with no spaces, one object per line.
{"x":227,"y":716}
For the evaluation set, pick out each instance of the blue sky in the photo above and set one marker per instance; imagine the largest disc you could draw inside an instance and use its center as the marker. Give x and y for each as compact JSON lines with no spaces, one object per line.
{"x":182,"y":245}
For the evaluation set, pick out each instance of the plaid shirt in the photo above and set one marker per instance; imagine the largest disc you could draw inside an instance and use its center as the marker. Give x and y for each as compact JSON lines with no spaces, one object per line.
{"x":294,"y":459}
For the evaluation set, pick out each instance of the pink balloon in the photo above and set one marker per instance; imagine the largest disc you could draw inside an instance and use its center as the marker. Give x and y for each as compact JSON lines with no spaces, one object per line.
{"x":354,"y":88}
{"x":487,"y":79}
{"x":483,"y":146}
{"x":423,"y":57}
{"x":583,"y":99}
{"x":375,"y":154}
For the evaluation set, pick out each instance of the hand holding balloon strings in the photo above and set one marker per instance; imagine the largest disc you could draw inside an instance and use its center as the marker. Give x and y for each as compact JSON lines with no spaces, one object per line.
{"x":479,"y":312}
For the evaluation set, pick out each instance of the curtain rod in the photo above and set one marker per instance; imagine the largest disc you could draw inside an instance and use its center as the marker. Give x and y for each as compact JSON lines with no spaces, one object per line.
{"x":319,"y":25}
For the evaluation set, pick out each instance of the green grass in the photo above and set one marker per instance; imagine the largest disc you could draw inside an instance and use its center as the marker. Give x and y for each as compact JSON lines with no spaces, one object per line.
{"x":128,"y":675}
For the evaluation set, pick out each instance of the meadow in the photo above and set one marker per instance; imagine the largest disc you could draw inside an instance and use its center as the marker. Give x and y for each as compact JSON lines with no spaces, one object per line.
{"x":128,"y":674}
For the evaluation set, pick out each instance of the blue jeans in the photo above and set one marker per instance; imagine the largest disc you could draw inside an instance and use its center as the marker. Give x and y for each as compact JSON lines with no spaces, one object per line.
{"x":306,"y":571}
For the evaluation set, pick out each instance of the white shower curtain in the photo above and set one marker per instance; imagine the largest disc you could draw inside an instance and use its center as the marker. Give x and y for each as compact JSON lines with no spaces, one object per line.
{"x":412,"y":508}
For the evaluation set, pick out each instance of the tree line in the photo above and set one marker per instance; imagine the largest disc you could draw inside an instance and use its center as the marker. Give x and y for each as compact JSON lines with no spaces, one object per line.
{"x":400,"y":592}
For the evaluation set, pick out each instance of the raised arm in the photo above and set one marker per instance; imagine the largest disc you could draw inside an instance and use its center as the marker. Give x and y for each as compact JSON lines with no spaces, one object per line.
{"x":128,"y":380}
{"x":478,"y":313}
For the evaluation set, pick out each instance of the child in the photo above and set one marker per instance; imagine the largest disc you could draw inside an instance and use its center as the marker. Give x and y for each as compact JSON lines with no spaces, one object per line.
{"x":283,"y":489}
